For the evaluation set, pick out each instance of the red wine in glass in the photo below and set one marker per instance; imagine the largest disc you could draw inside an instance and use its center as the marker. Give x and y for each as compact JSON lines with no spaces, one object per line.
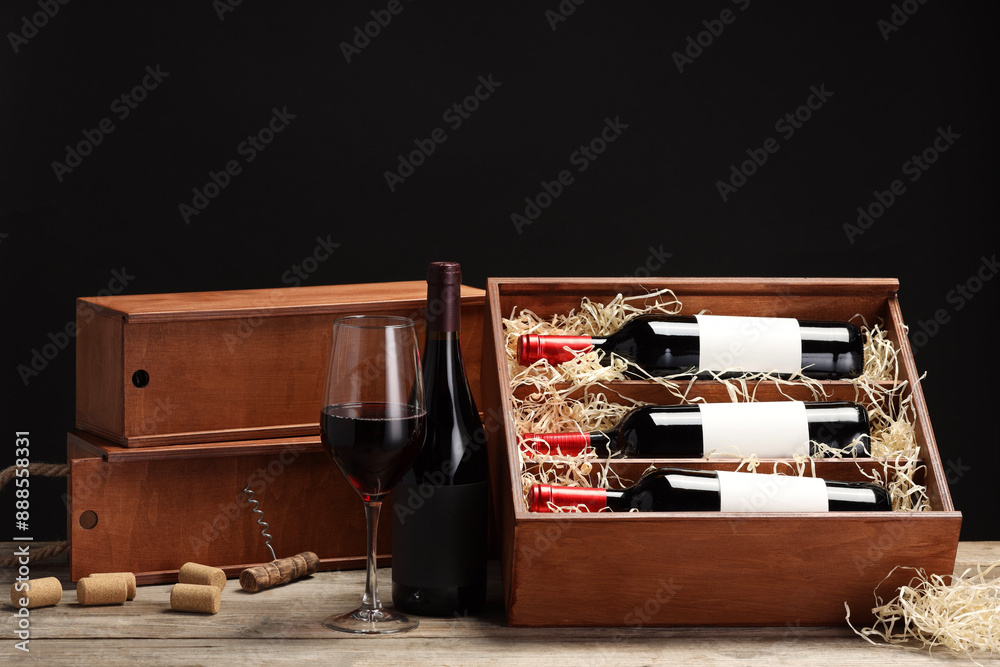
{"x":373,"y":429}
{"x":374,"y":444}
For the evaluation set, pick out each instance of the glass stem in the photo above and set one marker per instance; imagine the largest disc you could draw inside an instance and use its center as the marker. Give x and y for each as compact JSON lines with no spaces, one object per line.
{"x":371,"y":601}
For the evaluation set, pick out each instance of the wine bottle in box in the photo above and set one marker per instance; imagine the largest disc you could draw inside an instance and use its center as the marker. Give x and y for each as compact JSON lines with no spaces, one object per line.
{"x":679,"y":490}
{"x":706,"y":345}
{"x":773,"y":429}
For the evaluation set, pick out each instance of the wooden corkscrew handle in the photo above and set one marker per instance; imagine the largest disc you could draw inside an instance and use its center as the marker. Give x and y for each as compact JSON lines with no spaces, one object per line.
{"x":279,"y":571}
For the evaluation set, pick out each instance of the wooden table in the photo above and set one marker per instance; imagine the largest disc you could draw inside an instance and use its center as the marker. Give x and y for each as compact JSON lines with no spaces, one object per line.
{"x":282,"y":626}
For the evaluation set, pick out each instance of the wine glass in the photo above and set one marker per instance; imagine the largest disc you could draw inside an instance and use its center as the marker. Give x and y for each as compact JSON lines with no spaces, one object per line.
{"x":373,"y":428}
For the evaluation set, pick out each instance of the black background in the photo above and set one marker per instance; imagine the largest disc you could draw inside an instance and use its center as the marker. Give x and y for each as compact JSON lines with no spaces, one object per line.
{"x":654,"y":188}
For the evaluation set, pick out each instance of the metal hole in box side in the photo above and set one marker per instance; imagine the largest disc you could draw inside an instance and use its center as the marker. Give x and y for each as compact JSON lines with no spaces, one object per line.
{"x":140,"y":378}
{"x":88,"y":519}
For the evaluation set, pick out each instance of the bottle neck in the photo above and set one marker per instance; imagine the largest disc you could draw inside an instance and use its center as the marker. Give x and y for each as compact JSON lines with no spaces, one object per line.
{"x":442,"y":363}
{"x":541,"y":496}
{"x":557,"y":349}
{"x":568,"y":444}
{"x":443,"y":308}
{"x":616,"y":501}
{"x":444,"y":323}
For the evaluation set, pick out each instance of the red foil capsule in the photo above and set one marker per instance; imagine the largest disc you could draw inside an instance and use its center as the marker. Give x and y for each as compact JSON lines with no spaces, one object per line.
{"x":567,"y":444}
{"x":532,"y":347}
{"x":540,"y":495}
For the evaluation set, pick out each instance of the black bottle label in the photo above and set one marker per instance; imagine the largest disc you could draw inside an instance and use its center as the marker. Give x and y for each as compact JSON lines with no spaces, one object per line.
{"x":439,"y":535}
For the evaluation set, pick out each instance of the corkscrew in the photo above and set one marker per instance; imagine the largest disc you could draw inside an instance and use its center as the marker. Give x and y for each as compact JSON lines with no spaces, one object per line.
{"x":260,"y":520}
{"x":276,"y":572}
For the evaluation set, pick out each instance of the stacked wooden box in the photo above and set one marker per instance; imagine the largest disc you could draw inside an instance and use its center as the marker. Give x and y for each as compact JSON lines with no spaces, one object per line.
{"x":654,"y":569}
{"x":183,"y":400}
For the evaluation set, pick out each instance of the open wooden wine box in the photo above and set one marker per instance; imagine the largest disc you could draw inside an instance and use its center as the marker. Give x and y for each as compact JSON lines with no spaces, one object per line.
{"x":158,"y":369}
{"x":708,"y":568}
{"x":183,"y":400}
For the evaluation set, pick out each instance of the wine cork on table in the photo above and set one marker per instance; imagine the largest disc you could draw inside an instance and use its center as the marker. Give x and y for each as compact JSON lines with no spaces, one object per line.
{"x":35,"y":593}
{"x":127,"y":577}
{"x":101,"y":590}
{"x":199,"y":598}
{"x":280,"y":571}
{"x":193,"y":573}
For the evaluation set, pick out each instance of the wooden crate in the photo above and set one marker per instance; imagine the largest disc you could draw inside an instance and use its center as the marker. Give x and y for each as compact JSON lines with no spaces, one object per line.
{"x":152,"y":509}
{"x":198,"y":367}
{"x":657,"y":569}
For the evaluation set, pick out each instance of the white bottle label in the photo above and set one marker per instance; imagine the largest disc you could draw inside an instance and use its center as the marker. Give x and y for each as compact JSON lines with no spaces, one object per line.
{"x":770,"y":430}
{"x":751,"y":344}
{"x":746,"y":492}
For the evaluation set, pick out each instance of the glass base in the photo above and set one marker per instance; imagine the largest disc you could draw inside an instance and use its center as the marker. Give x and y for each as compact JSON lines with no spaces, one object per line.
{"x":363,"y":621}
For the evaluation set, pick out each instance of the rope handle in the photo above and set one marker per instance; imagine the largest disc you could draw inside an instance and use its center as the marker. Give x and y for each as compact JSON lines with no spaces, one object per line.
{"x":51,"y":549}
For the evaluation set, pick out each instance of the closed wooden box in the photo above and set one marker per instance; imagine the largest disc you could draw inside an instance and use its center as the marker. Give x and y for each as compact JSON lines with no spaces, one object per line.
{"x":661,"y":569}
{"x":160,"y":369}
{"x":149,"y":510}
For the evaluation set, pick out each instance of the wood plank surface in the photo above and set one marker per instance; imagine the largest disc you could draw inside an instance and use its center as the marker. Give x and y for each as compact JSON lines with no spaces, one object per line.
{"x":282,"y":626}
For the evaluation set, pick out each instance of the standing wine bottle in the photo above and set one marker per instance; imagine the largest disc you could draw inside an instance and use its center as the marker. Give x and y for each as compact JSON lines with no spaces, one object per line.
{"x":680,"y":490}
{"x":705,"y":344}
{"x":777,"y":429}
{"x":440,"y":507}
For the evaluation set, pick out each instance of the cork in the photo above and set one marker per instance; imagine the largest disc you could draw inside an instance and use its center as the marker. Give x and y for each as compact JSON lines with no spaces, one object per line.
{"x":101,"y":590}
{"x":128,"y":577}
{"x":200,"y":598}
{"x":193,"y":573}
{"x":276,"y":572}
{"x":37,"y":593}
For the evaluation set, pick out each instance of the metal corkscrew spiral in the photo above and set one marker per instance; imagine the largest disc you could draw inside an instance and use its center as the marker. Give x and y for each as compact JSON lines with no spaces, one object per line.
{"x":260,"y":520}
